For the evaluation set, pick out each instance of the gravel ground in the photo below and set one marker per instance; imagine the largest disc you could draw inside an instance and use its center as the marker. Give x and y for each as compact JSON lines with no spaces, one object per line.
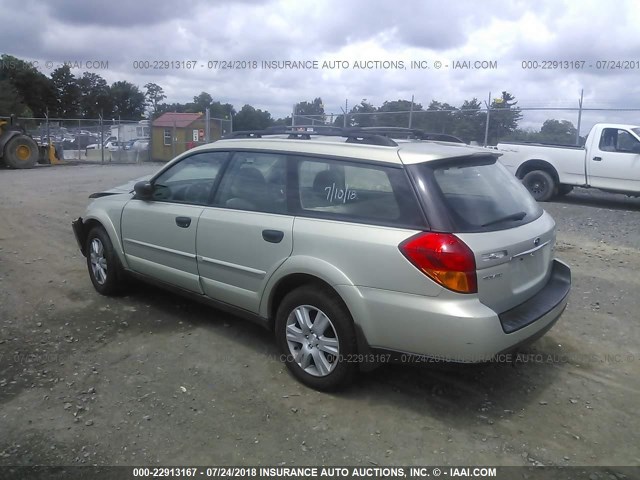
{"x":151,"y":378}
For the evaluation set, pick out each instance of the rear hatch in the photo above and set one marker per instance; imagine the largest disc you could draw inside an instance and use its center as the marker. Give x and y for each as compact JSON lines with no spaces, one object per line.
{"x":486,"y":207}
{"x":512,"y":265}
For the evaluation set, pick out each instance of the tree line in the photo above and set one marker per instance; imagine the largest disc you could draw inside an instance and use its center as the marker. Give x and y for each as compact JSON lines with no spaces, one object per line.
{"x":26,"y":92}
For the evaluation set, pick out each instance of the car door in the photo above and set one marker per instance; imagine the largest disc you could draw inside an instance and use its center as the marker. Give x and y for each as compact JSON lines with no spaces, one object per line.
{"x":159,"y":235}
{"x":247,"y":233}
{"x":615,"y":164}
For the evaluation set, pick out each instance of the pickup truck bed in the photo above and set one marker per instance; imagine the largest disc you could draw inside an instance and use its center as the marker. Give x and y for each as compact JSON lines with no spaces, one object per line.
{"x":609,"y":161}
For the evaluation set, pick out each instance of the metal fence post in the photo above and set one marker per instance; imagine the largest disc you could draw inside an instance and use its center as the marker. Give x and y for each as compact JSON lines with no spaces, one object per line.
{"x":411,"y":111}
{"x":101,"y":140}
{"x":207,"y":125}
{"x":174,"y":139}
{"x":486,"y":127}
{"x":579,"y":117}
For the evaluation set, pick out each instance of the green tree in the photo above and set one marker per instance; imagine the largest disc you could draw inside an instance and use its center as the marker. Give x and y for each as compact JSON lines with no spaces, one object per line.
{"x":200,"y":103}
{"x":248,"y":118}
{"x":128,"y":100}
{"x":221,"y":110}
{"x":439,"y":118}
{"x":398,"y":119}
{"x":172,"y":107}
{"x":558,"y":131}
{"x":95,"y":98}
{"x":308,"y":113}
{"x":286,"y":121}
{"x":11,"y":102}
{"x":504,"y":117}
{"x":470,"y":121}
{"x":31,"y":89}
{"x":67,"y":92}
{"x":363,"y":115}
{"x":154,"y":94}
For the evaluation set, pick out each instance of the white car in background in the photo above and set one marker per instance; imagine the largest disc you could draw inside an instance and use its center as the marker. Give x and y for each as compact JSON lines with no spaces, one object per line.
{"x":107,"y":143}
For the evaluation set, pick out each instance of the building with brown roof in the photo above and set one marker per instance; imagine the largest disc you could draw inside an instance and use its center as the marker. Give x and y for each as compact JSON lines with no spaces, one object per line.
{"x":173,"y":133}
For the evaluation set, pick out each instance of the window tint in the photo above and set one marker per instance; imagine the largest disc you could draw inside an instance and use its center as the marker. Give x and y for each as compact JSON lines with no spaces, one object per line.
{"x":356,"y":192}
{"x":255,"y":181}
{"x":191,"y":180}
{"x":483,"y":196}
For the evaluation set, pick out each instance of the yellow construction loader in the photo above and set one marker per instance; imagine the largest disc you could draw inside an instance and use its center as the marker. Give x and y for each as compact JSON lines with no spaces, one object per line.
{"x":19,"y":150}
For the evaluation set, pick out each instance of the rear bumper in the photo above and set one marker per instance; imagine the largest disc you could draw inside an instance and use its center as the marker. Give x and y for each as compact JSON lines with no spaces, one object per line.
{"x":79,"y":233}
{"x":552,"y":294}
{"x":455,"y":328}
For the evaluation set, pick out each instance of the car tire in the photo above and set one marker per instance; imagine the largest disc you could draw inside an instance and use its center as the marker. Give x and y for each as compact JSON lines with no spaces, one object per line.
{"x":316,"y":337}
{"x":105,"y":269}
{"x":540,"y":184}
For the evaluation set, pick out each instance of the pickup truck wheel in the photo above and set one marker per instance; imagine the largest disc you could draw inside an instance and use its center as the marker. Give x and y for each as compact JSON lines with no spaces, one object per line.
{"x":540,"y":184}
{"x":564,"y":189}
{"x":105,"y":270}
{"x":316,"y":337}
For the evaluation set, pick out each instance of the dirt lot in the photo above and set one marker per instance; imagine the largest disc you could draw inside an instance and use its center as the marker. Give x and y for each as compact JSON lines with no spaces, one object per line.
{"x":152,"y":378}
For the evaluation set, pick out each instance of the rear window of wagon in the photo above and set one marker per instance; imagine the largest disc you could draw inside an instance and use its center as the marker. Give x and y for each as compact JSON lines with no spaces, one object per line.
{"x":474,"y":195}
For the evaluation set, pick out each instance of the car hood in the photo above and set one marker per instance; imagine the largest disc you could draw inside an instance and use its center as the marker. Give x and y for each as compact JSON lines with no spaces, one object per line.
{"x":124,"y":188}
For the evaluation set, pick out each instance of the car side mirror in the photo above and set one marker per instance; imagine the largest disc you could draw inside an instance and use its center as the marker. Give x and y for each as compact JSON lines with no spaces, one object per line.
{"x":636,"y":147}
{"x":144,"y":190}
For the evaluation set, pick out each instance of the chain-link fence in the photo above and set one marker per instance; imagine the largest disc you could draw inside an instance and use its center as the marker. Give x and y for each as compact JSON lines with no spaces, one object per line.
{"x":101,"y":140}
{"x":561,"y":125}
{"x":91,"y":140}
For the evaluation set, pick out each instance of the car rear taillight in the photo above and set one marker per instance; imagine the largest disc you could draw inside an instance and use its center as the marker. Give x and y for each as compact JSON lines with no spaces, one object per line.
{"x":444,"y":258}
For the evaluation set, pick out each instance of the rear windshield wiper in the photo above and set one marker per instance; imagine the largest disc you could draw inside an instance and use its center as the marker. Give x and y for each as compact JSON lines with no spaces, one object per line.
{"x":513,"y":216}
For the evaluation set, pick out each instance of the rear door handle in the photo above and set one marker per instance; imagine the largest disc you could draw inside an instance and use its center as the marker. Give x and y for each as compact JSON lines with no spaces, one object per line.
{"x":273,"y":236}
{"x":183,"y":222}
{"x":597,"y":159}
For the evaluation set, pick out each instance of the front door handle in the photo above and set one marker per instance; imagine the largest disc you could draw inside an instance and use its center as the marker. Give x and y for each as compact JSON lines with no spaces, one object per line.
{"x":183,"y":222}
{"x":273,"y":236}
{"x":597,"y":159}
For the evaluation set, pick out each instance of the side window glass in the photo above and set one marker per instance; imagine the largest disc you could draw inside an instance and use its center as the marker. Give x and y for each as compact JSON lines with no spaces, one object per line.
{"x":615,"y":140}
{"x":255,"y":181}
{"x":627,"y":143}
{"x":348,"y":190}
{"x":191,"y":180}
{"x":608,"y":140}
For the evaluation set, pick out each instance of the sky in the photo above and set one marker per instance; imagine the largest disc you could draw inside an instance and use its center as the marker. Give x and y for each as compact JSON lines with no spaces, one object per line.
{"x":597,"y":43}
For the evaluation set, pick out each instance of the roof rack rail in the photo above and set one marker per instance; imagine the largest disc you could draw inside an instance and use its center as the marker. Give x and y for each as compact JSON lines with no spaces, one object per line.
{"x":363,"y":135}
{"x":412,"y":132}
{"x":304,"y":132}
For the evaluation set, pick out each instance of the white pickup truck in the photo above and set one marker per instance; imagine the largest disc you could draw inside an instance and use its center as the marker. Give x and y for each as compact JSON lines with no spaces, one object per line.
{"x":609,"y":161}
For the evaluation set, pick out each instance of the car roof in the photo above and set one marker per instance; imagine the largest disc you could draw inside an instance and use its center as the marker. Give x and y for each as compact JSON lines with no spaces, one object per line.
{"x":404,"y":152}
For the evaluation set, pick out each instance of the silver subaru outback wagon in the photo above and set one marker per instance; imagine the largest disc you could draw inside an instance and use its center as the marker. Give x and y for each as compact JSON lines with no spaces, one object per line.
{"x":355,"y":248}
